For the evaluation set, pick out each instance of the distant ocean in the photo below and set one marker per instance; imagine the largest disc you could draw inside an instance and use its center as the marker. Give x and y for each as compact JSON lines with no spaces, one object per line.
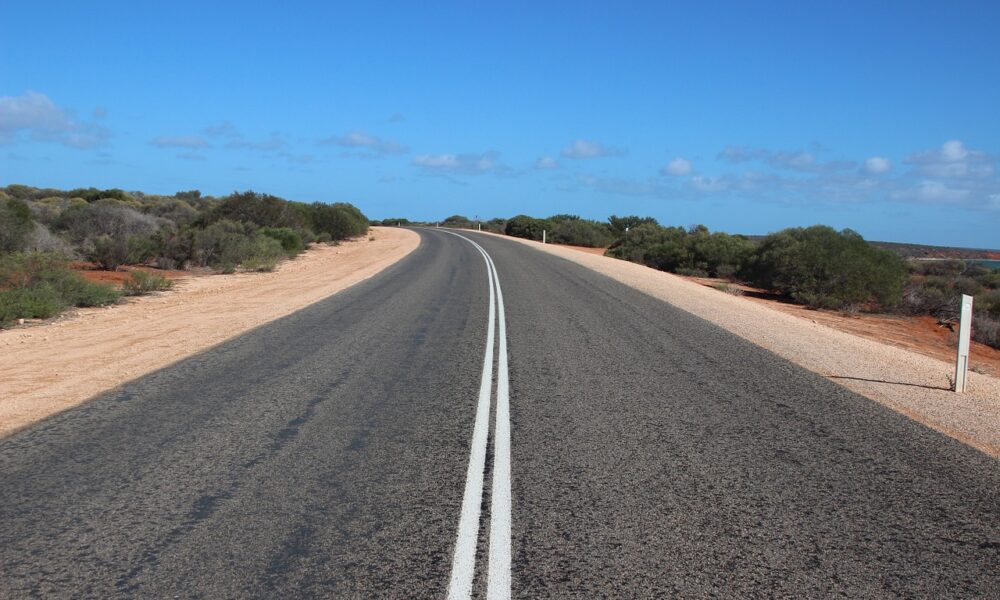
{"x":989,"y":264}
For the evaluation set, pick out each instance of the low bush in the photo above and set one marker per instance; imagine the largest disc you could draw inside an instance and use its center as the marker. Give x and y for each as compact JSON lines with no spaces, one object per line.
{"x":139,"y":283}
{"x":986,"y":329}
{"x":579,"y":232}
{"x":526,"y":227}
{"x":110,"y":253}
{"x":15,"y":224}
{"x":291,"y":242}
{"x":40,"y":285}
{"x":823,"y":268}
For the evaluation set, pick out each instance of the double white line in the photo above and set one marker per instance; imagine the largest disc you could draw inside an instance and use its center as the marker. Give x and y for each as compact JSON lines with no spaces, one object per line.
{"x":464,"y":563}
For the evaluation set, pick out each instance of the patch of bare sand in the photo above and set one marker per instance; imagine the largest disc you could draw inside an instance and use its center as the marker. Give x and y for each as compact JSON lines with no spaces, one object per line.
{"x":910,"y":383}
{"x":52,"y":367}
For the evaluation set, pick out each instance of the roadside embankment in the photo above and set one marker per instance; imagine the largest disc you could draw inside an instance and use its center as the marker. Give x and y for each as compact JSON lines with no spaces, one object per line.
{"x":910,"y":383}
{"x":52,"y":367}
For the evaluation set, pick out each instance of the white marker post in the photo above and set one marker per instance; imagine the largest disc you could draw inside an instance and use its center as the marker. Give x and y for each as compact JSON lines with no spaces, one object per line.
{"x":543,"y":236}
{"x":964,"y":333}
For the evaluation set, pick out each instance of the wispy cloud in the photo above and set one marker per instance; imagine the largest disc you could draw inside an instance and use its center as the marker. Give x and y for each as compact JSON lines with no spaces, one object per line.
{"x":224,"y":129}
{"x":546,"y":163}
{"x":235,"y":140}
{"x":581,"y":149}
{"x":360,"y":140}
{"x":37,"y":116}
{"x":678,"y":167}
{"x":269,"y":144}
{"x":793,"y":160}
{"x":461,"y":164}
{"x":179,"y":141}
{"x":876,"y":165}
{"x":953,"y":161}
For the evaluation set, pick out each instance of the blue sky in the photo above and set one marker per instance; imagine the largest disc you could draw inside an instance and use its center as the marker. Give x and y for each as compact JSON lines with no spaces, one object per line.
{"x":745,"y":116}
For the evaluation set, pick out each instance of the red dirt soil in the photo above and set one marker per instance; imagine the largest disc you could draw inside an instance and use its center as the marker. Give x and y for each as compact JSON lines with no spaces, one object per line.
{"x":90,"y":272}
{"x":918,"y":334}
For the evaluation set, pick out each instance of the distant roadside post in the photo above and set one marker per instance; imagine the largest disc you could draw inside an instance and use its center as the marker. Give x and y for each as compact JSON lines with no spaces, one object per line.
{"x":964,"y":333}
{"x":543,"y":236}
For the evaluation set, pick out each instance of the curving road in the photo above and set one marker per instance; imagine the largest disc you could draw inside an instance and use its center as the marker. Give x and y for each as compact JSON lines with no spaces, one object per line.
{"x":363,"y":448}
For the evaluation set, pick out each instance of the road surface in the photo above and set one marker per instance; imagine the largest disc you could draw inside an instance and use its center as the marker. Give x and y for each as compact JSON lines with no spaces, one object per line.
{"x":605,"y":445}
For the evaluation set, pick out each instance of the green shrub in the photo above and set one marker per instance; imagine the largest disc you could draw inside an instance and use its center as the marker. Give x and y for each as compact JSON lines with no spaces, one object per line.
{"x":823,"y":268}
{"x":39,"y":301}
{"x":291,"y":242}
{"x":457,"y":221}
{"x":526,"y":227}
{"x":340,"y":220}
{"x":567,"y":229}
{"x":139,"y":283}
{"x":110,"y":253}
{"x":649,"y":244}
{"x":40,"y":285}
{"x":618,"y":224}
{"x":15,"y":224}
{"x":324,"y":238}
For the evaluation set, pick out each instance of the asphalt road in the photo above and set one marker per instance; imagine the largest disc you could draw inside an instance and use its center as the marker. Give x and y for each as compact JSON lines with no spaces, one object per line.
{"x":650,"y":454}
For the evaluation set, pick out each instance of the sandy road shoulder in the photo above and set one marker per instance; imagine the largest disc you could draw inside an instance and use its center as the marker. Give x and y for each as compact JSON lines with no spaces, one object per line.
{"x":53,"y":367}
{"x":910,"y":383}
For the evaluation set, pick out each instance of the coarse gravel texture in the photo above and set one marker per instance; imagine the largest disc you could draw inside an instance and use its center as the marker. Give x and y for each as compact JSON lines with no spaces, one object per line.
{"x":912,"y":384}
{"x":57,"y":365}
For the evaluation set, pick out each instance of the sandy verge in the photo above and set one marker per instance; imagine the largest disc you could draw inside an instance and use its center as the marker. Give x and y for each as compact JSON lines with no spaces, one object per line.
{"x":913,"y":384}
{"x":52,"y":367}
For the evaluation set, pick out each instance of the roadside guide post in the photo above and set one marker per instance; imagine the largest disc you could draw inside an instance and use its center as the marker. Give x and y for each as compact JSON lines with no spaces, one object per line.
{"x":543,"y":236}
{"x":964,"y":333}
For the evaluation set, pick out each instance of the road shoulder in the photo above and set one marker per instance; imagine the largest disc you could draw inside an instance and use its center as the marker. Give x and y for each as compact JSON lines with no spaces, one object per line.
{"x":51,"y":368}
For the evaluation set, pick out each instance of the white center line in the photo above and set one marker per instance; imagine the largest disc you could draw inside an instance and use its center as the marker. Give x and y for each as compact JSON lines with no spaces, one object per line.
{"x":464,"y":563}
{"x":500,"y":522}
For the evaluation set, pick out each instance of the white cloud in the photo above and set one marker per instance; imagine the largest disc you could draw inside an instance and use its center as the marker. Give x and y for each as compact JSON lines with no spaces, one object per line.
{"x":677,"y":167}
{"x":795,"y":160}
{"x":364,"y":141}
{"x":461,"y":164}
{"x":702,"y":183}
{"x":37,"y":115}
{"x":179,"y":141}
{"x":589,"y":149}
{"x":546,"y":163}
{"x":953,"y":161}
{"x":876,"y":165}
{"x":933,"y":192}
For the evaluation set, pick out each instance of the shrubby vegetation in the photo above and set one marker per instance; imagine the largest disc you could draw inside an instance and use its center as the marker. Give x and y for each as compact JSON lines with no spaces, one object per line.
{"x":935,"y":287}
{"x":46,"y":228}
{"x":40,"y":285}
{"x":139,"y":283}
{"x":816,"y":266}
{"x":823,"y":268}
